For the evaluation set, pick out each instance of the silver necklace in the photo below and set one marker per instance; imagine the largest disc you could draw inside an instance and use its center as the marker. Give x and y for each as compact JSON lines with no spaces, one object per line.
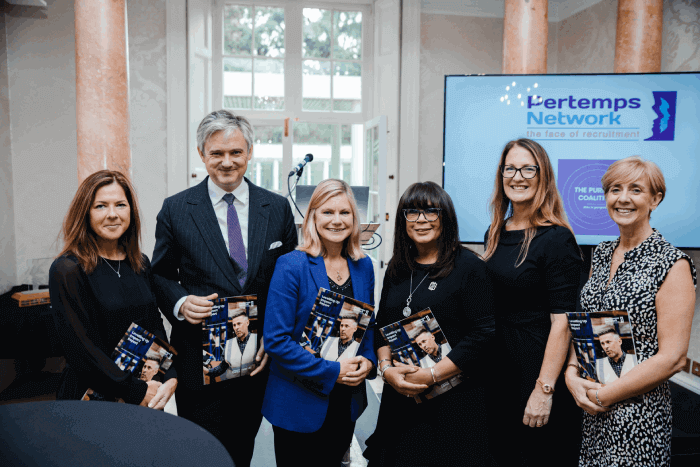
{"x":411,"y":290}
{"x":119,"y":267}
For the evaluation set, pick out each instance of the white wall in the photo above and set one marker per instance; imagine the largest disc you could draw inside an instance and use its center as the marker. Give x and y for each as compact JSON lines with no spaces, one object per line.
{"x":8,"y":261}
{"x":38,"y":146}
{"x":450,"y":45}
{"x":148,"y":110}
{"x":41,"y":77}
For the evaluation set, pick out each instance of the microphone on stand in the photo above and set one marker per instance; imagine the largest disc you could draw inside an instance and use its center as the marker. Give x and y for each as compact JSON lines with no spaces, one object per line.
{"x":300,"y":166}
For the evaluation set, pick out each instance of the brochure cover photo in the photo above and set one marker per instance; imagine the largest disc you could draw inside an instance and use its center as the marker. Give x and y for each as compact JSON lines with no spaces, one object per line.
{"x":336,"y":326}
{"x":142,"y":353}
{"x":418,"y":340}
{"x":603,"y":344}
{"x":230,"y":338}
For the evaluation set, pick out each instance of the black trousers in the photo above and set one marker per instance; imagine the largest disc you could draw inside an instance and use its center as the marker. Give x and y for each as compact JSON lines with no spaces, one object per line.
{"x":233,"y":419}
{"x":327,"y":445}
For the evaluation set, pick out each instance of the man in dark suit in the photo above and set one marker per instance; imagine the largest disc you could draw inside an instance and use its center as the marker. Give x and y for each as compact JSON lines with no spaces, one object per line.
{"x":220,"y":238}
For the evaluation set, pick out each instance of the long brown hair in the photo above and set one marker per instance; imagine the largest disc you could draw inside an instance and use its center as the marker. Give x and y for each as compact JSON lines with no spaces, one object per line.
{"x":79,"y":237}
{"x":547,"y":203}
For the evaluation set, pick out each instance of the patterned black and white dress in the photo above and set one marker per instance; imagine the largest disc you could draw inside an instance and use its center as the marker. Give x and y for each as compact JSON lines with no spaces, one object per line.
{"x":632,"y":433}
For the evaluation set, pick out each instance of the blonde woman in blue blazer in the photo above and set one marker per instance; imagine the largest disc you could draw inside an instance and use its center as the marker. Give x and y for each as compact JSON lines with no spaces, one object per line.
{"x":313,"y":403}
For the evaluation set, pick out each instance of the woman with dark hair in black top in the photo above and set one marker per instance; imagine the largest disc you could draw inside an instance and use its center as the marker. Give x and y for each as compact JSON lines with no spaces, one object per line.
{"x":99,"y":285}
{"x":430,"y":269}
{"x":535,"y":265}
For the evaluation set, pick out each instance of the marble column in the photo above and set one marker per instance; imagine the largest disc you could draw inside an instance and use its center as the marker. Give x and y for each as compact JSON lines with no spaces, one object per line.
{"x":638,"y":36}
{"x":102,"y":87}
{"x":525,"y":30}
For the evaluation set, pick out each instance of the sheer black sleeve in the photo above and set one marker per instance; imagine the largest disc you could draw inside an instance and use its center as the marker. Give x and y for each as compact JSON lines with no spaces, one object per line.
{"x":479,"y":326}
{"x":381,"y":321}
{"x":159,"y":330}
{"x":72,"y":302}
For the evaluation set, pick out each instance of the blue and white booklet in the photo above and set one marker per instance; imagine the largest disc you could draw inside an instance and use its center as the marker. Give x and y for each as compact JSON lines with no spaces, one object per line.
{"x":230,"y":339}
{"x":419,"y":341}
{"x":603,"y":343}
{"x":142,"y":353}
{"x":336,"y":326}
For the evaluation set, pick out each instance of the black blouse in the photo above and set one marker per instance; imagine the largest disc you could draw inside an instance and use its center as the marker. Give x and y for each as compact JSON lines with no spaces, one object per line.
{"x":448,"y":430}
{"x":462,"y":303}
{"x":546,"y":282}
{"x":92,"y":312}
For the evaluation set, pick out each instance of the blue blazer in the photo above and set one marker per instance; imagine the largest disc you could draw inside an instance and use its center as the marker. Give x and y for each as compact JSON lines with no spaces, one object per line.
{"x":296,"y":397}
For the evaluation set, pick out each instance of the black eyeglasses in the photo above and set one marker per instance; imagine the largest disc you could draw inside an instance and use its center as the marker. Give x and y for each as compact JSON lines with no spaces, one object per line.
{"x":529,"y":171}
{"x":430,"y":214}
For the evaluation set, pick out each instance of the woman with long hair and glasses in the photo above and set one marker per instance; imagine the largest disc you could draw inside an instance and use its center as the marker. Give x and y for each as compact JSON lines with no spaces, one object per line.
{"x":99,"y":284}
{"x":535,"y":265}
{"x":653,"y":281}
{"x":313,"y":403}
{"x":430,"y":269}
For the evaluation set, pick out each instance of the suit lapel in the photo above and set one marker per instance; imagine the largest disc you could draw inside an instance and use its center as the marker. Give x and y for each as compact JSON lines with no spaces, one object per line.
{"x":204,"y":218}
{"x":258,"y":215}
{"x":318,"y":272}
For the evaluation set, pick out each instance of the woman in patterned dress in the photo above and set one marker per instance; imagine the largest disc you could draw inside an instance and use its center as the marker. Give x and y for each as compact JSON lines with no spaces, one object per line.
{"x":640,"y":273}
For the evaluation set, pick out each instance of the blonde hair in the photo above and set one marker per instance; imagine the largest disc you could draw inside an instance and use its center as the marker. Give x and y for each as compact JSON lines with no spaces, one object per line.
{"x":312,"y":244}
{"x":631,"y":169}
{"x":548,"y":206}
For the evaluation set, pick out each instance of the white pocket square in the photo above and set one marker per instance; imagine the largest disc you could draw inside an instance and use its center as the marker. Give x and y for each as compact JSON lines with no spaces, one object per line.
{"x":275,"y":245}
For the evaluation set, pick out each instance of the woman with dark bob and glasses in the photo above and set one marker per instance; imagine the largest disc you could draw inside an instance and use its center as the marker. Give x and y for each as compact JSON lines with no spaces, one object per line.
{"x":99,"y":284}
{"x":430,"y":269}
{"x":654,"y":282}
{"x":535,"y":265}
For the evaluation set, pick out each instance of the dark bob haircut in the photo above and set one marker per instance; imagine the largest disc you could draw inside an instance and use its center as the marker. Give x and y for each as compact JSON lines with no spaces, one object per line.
{"x":424,"y":195}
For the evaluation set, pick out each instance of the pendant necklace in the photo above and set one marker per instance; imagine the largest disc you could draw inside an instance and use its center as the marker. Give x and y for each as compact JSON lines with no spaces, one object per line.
{"x":337,"y":272}
{"x":411,"y":290}
{"x":116,"y":271}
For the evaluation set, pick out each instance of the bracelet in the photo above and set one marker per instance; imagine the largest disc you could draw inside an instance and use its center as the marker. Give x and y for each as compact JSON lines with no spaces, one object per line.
{"x":382,"y":369}
{"x":382,"y":361}
{"x":598,"y":400}
{"x":575,"y":365}
{"x":546,"y":388}
{"x":432,"y":373}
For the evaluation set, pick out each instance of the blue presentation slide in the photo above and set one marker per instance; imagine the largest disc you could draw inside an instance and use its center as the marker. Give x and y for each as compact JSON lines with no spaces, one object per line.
{"x":584,"y":122}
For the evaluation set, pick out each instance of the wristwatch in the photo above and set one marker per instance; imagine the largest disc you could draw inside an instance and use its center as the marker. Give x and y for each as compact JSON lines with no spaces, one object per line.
{"x":546,"y":388}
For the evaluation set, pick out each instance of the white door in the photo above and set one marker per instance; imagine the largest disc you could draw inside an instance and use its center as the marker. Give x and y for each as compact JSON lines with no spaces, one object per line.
{"x":199,"y":57}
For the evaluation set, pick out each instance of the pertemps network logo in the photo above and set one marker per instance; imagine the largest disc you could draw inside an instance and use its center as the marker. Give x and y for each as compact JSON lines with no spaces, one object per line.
{"x":664,"y":125}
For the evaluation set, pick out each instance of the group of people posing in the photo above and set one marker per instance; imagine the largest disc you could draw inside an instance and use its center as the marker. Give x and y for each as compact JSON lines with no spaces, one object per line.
{"x":502,"y":313}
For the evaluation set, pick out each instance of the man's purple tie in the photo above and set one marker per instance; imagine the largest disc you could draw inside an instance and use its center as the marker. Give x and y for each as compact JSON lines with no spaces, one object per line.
{"x":236,"y":247}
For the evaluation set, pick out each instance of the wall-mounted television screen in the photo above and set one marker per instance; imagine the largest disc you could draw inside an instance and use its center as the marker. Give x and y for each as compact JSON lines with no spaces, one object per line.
{"x":584,"y":122}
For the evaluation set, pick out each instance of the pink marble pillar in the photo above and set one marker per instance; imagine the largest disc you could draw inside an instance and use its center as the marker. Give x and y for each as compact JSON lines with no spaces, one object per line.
{"x":102,"y":87}
{"x":525,"y":30}
{"x":638,"y":36}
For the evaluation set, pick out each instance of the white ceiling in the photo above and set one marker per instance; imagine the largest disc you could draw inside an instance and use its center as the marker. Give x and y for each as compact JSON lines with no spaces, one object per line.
{"x":558,"y":9}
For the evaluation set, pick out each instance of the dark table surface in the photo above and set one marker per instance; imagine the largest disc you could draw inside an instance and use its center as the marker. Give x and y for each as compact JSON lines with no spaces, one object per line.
{"x":27,"y":332}
{"x":77,"y":433}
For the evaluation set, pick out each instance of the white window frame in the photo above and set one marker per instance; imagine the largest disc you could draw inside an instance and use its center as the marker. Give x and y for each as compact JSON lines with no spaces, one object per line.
{"x":293,"y":18}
